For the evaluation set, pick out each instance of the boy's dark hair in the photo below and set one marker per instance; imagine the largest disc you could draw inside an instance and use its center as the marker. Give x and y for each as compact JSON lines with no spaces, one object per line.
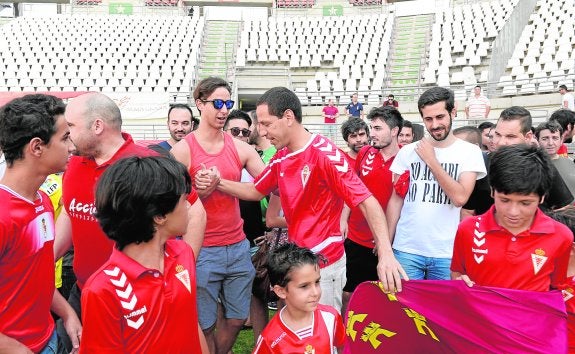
{"x":521,"y":169}
{"x":485,"y":125}
{"x":285,"y":258}
{"x":353,"y":125}
{"x":237,"y":114}
{"x":133,"y":191}
{"x":564,"y":117}
{"x":552,"y":126}
{"x":180,"y":106}
{"x":520,"y":114}
{"x":26,"y":118}
{"x":390,"y":115}
{"x":472,"y":134}
{"x":434,"y":95}
{"x":208,"y":85}
{"x":279,"y":100}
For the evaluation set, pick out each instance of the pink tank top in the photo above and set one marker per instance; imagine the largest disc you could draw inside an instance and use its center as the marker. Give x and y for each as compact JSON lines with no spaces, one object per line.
{"x":224,"y":224}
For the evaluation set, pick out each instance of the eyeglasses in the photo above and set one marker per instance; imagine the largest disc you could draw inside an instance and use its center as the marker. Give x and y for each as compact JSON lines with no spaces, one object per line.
{"x":219,"y":104}
{"x":236,"y":131}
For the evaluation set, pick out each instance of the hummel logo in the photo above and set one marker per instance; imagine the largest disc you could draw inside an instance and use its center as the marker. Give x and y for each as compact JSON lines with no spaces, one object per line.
{"x":333,"y":154}
{"x":128,"y":299}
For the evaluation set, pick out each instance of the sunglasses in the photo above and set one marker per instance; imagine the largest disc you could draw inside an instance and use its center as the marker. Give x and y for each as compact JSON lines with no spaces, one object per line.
{"x":219,"y":104}
{"x":236,"y":131}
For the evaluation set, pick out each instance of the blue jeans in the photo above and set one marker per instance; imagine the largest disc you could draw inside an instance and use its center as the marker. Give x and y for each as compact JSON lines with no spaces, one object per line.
{"x":420,"y":267}
{"x":52,"y":345}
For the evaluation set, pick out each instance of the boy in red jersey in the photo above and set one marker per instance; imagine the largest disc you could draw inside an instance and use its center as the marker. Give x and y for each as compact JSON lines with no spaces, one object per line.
{"x":143,"y":299}
{"x":35,"y":140}
{"x":514,"y":244}
{"x":303,"y":325}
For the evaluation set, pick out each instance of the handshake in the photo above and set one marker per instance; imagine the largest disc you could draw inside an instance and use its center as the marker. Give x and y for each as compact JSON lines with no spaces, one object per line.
{"x":207,"y":179}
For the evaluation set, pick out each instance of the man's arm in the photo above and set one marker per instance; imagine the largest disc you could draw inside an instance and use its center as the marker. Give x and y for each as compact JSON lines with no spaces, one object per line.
{"x":466,"y":111}
{"x":465,"y":278}
{"x":459,"y":190}
{"x":393,"y":211}
{"x":389,"y":270}
{"x":251,"y":160}
{"x":63,"y":239}
{"x":346,"y":211}
{"x":9,"y":345}
{"x":196,"y":227}
{"x":71,"y":321}
{"x":241,"y":190}
{"x":487,"y":110}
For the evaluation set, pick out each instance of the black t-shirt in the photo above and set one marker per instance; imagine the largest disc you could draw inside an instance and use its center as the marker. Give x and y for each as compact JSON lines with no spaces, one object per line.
{"x":480,"y":199}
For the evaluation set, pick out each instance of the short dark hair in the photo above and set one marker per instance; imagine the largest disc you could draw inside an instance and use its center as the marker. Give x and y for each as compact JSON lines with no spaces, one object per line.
{"x":564,"y":87}
{"x":353,"y":125}
{"x":564,"y":117}
{"x":418,"y":132}
{"x":180,"y":106}
{"x":472,"y":134}
{"x":390,"y":115}
{"x":520,"y":114}
{"x":407,"y":124}
{"x":284,"y":259}
{"x":510,"y":165}
{"x":208,"y":85}
{"x":134,"y":190}
{"x":279,"y":100}
{"x":390,"y":95}
{"x":552,"y":126}
{"x":485,"y":125}
{"x":26,"y":118}
{"x":434,"y":95}
{"x":237,"y":114}
{"x":196,"y":121}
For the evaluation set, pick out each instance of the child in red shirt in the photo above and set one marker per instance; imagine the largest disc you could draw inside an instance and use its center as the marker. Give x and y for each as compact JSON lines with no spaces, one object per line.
{"x":143,"y":299}
{"x":303,"y":325}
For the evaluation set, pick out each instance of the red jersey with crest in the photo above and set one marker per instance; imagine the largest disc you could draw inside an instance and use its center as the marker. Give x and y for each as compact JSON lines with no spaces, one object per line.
{"x":569,"y":297}
{"x":327,"y":334}
{"x":224,"y":224}
{"x":313,"y":183}
{"x":534,"y":260}
{"x":128,"y":308}
{"x":375,"y":174}
{"x":91,"y":246}
{"x":26,"y":268}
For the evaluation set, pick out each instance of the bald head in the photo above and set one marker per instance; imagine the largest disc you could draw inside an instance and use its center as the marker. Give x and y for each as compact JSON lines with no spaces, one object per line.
{"x":96,"y":105}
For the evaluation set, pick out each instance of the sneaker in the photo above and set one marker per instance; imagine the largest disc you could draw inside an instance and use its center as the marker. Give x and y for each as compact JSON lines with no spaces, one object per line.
{"x":273,"y":305}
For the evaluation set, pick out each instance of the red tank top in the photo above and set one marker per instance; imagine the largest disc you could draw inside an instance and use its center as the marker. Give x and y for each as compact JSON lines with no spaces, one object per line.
{"x":224,"y":225}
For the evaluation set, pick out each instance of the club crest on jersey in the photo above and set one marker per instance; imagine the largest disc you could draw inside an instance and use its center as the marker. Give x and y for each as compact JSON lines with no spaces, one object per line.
{"x":184,"y":276}
{"x":309,"y":349}
{"x":567,"y":294}
{"x":538,"y":258}
{"x":305,"y":172}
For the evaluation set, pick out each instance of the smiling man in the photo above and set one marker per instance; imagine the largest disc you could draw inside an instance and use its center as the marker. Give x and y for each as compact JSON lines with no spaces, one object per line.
{"x":442,"y":170}
{"x":180,"y":124}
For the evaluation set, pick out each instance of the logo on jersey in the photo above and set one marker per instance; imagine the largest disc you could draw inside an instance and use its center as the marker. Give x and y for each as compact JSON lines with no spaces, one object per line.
{"x":305,"y":172}
{"x":333,"y":154}
{"x":567,"y":294}
{"x":367,"y":166}
{"x":128,"y":298}
{"x":309,"y":349}
{"x":83,"y":211}
{"x":184,"y":276}
{"x":538,"y":258}
{"x":478,"y":241}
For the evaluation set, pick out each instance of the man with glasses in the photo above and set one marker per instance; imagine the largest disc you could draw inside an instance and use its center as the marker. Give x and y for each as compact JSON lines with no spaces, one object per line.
{"x":180,"y":124}
{"x":314,"y":178}
{"x":224,"y":268}
{"x":238,"y":125}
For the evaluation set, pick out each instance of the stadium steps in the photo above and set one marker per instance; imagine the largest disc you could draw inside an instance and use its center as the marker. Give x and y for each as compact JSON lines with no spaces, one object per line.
{"x":218,"y":48}
{"x":407,"y":55}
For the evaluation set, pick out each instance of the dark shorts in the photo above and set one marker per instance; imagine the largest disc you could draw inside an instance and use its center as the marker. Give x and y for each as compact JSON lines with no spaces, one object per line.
{"x":361,"y":265}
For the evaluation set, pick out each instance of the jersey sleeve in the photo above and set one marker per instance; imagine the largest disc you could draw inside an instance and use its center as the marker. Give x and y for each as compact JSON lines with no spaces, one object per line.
{"x":559,"y":275}
{"x":266,"y":182}
{"x":192,"y":196}
{"x":341,"y":177}
{"x":102,"y":330}
{"x":458,"y":259}
{"x":339,"y":332}
{"x":262,"y":347}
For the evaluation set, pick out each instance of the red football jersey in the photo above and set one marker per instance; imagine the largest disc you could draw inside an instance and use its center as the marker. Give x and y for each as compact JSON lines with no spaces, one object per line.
{"x":26,"y":268}
{"x":313,"y":183}
{"x":375,"y":174}
{"x":127,"y":308}
{"x":327,"y":334}
{"x":568,"y":296}
{"x":534,"y":260}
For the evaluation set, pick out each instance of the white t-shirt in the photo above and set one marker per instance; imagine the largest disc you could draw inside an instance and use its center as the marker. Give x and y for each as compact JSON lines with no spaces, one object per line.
{"x":568,"y":97}
{"x":428,"y":221}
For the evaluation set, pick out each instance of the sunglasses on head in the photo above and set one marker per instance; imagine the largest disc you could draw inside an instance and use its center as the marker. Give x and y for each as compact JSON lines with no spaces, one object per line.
{"x":236,"y":131}
{"x":219,"y":104}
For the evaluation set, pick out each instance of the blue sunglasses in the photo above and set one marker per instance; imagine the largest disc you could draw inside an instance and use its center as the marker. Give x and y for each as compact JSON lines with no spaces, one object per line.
{"x":219,"y":104}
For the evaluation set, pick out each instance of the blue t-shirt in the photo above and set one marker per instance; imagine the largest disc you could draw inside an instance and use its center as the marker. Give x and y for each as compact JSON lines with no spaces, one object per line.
{"x":354,"y":109}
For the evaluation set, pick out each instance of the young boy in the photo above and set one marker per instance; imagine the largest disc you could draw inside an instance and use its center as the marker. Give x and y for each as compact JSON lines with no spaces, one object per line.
{"x":514,"y":244}
{"x":303,"y":325}
{"x":143,"y":299}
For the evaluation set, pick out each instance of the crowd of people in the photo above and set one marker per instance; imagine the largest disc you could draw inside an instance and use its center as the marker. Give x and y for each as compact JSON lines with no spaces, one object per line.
{"x":163,"y":236}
